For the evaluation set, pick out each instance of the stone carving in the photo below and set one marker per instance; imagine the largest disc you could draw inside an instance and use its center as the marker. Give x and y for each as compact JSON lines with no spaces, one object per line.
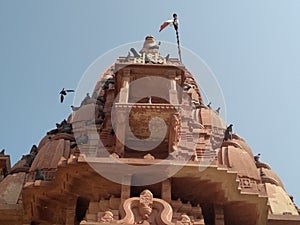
{"x":149,"y":156}
{"x":107,"y":217}
{"x":149,"y":52}
{"x":174,"y":132}
{"x":146,"y":210}
{"x":184,"y":220}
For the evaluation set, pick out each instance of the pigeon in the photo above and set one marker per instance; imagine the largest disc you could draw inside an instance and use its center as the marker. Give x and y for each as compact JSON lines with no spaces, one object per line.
{"x":64,"y":92}
{"x":82,"y":139}
{"x":74,"y":108}
{"x":218,"y":110}
{"x":228,"y":133}
{"x":2,"y":152}
{"x":167,"y":57}
{"x":127,"y":57}
{"x":256,"y":157}
{"x":39,"y":175}
{"x":209,"y":105}
{"x":134,"y":52}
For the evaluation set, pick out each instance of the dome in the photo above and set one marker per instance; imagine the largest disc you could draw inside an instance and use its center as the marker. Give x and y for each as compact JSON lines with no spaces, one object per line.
{"x":268,"y":176}
{"x":237,"y":159}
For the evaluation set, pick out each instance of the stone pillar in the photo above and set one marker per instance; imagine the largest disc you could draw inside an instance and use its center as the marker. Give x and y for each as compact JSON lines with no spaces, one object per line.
{"x":173,"y":92}
{"x":125,"y":189}
{"x":166,"y":190}
{"x":71,"y":210}
{"x":120,"y":126}
{"x":219,"y":215}
{"x":124,"y":91}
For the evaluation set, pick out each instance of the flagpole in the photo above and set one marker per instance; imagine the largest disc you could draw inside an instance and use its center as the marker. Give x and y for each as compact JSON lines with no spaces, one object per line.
{"x":175,"y":23}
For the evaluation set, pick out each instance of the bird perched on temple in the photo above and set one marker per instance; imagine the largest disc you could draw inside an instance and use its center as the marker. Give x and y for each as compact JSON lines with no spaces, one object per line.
{"x":82,"y":139}
{"x":39,"y":175}
{"x":209,"y":105}
{"x":127,"y":57}
{"x":2,"y":152}
{"x":63,"y":93}
{"x":218,"y":110}
{"x":135,"y":53}
{"x":228,"y":133}
{"x":167,"y":57}
{"x":74,"y":108}
{"x":256,"y":157}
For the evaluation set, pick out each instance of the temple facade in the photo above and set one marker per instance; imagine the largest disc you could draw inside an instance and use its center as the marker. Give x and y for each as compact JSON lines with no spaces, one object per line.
{"x":143,"y":148}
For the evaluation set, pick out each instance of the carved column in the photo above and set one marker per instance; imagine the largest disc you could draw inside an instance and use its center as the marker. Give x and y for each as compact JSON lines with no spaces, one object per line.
{"x":124,"y":92}
{"x":166,"y":190}
{"x":125,"y":191}
{"x":120,"y":117}
{"x":173,"y":92}
{"x":71,"y":210}
{"x":219,"y":215}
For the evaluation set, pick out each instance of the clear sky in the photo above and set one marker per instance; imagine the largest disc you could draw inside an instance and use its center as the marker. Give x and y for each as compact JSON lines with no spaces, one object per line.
{"x":252,"y":47}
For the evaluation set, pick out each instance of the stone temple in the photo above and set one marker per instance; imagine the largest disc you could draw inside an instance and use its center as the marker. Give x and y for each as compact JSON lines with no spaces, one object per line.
{"x":143,"y":148}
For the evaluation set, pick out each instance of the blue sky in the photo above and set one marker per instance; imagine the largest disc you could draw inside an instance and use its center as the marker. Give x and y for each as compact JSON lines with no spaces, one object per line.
{"x":251,"y":46}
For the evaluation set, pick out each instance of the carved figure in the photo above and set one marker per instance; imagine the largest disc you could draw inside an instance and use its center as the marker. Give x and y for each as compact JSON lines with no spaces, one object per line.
{"x":149,"y":156}
{"x":146,"y":210}
{"x":2,"y":153}
{"x":175,"y":130}
{"x":184,"y":220}
{"x":107,"y":217}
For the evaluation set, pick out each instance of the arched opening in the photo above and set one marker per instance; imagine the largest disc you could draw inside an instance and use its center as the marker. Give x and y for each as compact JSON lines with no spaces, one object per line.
{"x":82,"y":205}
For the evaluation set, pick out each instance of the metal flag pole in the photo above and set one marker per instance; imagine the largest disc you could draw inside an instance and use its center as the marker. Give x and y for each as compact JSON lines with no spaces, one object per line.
{"x":175,"y":24}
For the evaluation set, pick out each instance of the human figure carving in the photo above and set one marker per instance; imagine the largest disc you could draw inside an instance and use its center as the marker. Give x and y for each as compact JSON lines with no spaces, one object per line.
{"x":145,"y":206}
{"x":184,"y":220}
{"x":107,"y":217}
{"x":175,"y":130}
